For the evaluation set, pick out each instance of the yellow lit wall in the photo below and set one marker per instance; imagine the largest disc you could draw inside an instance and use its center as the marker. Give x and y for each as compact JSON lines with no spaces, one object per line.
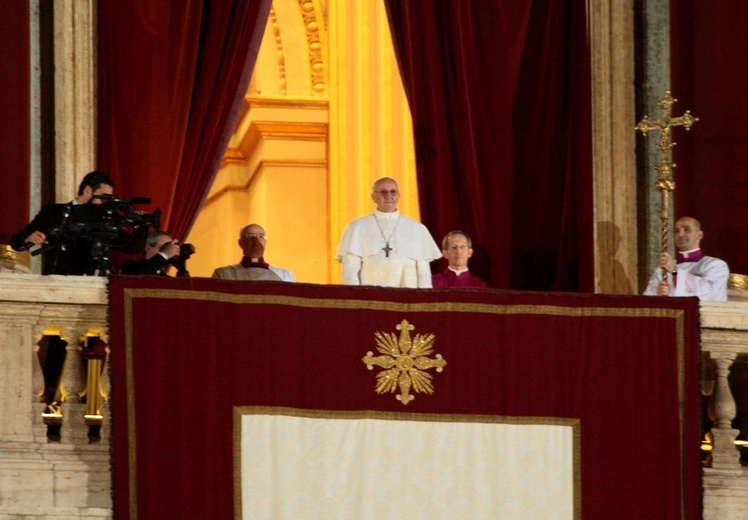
{"x":325,"y":116}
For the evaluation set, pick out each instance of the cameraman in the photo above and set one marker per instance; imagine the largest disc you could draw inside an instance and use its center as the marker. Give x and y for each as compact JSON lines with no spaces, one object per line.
{"x":160,"y":252}
{"x":73,"y":258}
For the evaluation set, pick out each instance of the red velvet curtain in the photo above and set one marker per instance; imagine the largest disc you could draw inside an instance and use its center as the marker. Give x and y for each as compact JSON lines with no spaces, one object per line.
{"x":172,"y":78}
{"x":15,"y":152}
{"x":708,"y":42}
{"x":500,"y":96}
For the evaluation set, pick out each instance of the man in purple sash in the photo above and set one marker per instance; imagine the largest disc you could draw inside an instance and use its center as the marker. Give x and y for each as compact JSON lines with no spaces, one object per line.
{"x":457,"y":249}
{"x":692,"y":273}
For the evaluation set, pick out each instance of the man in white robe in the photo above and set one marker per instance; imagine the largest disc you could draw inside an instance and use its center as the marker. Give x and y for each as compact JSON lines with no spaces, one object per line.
{"x":252,"y":240}
{"x":694,"y":273}
{"x":386,"y":248}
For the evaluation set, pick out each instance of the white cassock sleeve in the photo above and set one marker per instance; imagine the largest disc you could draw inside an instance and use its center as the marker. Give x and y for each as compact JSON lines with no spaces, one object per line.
{"x":708,"y":281}
{"x":351,"y":270}
{"x":424,"y":273}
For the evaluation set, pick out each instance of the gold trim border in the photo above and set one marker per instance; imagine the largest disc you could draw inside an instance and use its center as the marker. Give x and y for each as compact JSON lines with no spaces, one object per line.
{"x":129,"y":294}
{"x":352,"y":304}
{"x":574,"y":423}
{"x":132,"y":458}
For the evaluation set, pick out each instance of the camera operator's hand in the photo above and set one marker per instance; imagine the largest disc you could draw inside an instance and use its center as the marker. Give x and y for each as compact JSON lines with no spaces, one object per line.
{"x":37,"y":238}
{"x":171,"y":249}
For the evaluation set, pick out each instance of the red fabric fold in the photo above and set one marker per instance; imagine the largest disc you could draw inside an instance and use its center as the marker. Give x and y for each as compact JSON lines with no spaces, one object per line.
{"x":709,"y":78}
{"x":172,"y":79}
{"x":15,"y":123}
{"x":500,"y":96}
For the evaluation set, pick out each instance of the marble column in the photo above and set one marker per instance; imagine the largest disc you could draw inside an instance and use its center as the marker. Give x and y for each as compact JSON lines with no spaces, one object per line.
{"x":652,"y":34}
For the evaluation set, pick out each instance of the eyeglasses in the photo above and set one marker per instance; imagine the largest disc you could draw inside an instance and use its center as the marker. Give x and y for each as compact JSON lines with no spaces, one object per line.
{"x":260,"y":236}
{"x":459,"y":248}
{"x":384,"y":193}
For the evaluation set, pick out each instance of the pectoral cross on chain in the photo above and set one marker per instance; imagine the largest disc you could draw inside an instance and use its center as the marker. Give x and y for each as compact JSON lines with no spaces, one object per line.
{"x":386,"y":239}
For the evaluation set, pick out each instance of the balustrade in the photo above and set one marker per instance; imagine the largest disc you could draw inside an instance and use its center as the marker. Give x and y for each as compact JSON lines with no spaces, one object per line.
{"x":49,"y":465}
{"x":724,"y":338}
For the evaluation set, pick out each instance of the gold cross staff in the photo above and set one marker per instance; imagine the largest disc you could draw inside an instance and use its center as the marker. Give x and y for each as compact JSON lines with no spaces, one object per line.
{"x":665,"y":183}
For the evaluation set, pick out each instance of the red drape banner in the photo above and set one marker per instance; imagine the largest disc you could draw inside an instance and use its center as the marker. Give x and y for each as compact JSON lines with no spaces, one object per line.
{"x":186,"y":352}
{"x":500,"y":96}
{"x":15,"y":154}
{"x":710,"y":78}
{"x":172,"y":79}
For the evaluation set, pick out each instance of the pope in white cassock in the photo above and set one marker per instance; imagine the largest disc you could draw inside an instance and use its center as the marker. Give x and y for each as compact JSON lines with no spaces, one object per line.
{"x":387,"y":248}
{"x":694,"y":273}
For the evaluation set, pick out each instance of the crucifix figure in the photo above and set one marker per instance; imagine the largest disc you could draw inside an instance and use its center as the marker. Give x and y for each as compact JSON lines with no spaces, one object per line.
{"x":665,"y":184}
{"x":387,"y":249}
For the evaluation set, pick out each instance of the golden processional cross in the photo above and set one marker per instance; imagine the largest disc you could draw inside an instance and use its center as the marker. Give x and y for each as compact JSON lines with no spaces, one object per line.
{"x":665,"y":183}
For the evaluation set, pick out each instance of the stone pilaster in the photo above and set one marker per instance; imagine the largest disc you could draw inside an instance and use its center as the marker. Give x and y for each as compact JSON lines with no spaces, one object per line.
{"x":614,"y":161}
{"x":75,"y":93}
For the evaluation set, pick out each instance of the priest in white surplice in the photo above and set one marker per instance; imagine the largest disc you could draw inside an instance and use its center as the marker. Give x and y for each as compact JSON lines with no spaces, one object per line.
{"x":694,"y":273}
{"x":387,"y":248}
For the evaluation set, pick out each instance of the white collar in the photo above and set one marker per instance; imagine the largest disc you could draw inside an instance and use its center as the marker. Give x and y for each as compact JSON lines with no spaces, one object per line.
{"x":381,"y":215}
{"x":458,"y":272}
{"x":686,"y":254}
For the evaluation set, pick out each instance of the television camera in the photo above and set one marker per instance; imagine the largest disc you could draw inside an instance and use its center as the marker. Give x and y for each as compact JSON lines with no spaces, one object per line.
{"x":109,"y":218}
{"x":110,"y":224}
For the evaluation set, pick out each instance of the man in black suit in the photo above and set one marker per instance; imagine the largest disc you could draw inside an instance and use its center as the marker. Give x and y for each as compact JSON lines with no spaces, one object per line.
{"x":69,"y":257}
{"x":160,"y":252}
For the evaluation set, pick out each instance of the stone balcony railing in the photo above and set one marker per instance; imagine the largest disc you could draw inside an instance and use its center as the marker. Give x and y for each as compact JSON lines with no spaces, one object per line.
{"x":54,"y":435}
{"x":50,"y":465}
{"x":724,"y":341}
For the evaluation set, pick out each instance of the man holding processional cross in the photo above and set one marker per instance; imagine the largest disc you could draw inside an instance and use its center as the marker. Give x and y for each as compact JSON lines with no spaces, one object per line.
{"x":693,"y":274}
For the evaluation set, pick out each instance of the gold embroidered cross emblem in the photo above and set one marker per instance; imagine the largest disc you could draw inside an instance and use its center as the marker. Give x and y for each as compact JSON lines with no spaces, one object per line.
{"x":405,"y":362}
